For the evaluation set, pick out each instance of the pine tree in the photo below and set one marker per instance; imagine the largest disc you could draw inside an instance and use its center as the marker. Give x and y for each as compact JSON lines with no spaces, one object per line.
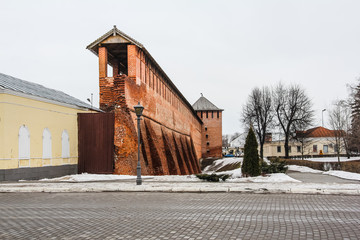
{"x":251,"y":164}
{"x":354,"y":140}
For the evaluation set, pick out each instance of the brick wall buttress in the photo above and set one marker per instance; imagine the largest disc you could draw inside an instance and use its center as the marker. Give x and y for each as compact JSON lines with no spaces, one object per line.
{"x":167,"y":128}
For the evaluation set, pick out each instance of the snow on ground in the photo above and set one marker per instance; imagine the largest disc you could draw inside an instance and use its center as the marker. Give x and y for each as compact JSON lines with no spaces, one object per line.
{"x":332,"y":159}
{"x":235,"y":177}
{"x":270,"y":178}
{"x":266,"y":160}
{"x":236,"y":173}
{"x":343,"y":174}
{"x":217,"y":164}
{"x":302,"y":169}
{"x":174,"y":178}
{"x":202,"y":186}
{"x":85,"y":177}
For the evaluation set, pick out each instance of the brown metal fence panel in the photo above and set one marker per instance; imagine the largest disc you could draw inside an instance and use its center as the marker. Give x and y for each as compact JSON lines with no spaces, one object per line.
{"x":96,"y":142}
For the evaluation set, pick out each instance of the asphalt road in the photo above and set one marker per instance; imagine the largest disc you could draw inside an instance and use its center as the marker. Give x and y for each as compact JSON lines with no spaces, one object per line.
{"x":178,"y":216}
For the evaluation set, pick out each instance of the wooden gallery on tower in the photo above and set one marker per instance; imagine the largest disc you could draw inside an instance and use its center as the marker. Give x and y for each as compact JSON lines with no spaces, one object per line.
{"x":175,"y":135}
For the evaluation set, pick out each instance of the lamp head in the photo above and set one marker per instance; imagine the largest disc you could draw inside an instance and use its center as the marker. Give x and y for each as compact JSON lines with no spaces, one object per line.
{"x":138,"y":110}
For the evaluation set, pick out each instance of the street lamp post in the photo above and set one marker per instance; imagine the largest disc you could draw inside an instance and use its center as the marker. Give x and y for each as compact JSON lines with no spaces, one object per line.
{"x":138,"y":111}
{"x":322,"y":117}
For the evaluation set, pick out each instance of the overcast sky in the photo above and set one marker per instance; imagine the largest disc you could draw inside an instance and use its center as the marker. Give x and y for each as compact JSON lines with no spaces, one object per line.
{"x":222,"y":49}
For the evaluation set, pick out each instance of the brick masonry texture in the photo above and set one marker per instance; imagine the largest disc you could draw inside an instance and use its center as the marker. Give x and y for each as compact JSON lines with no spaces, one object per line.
{"x":178,"y":216}
{"x":170,"y":131}
{"x":211,"y":133}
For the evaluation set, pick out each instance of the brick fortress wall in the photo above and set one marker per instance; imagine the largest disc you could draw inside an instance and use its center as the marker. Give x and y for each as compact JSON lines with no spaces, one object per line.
{"x":170,"y":131}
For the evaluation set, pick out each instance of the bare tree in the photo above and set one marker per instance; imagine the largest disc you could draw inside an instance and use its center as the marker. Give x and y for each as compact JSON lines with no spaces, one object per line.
{"x":354,"y":101}
{"x":302,"y":137}
{"x":258,"y":113}
{"x":235,"y":136}
{"x":340,"y":122}
{"x":293,"y":108}
{"x":225,"y":141}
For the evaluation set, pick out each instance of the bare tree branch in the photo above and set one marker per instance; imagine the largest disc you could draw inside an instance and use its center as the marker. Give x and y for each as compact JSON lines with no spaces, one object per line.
{"x":293,"y":110}
{"x":340,"y":122}
{"x":258,"y":113}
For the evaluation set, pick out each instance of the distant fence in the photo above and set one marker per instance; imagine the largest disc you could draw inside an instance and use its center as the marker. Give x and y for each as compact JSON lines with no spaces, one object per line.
{"x":315,"y":156}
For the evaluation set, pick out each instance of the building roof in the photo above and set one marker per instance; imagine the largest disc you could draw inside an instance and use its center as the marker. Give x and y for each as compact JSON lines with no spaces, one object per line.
{"x":17,"y":85}
{"x":203,"y":104}
{"x":113,"y":32}
{"x":318,"y":132}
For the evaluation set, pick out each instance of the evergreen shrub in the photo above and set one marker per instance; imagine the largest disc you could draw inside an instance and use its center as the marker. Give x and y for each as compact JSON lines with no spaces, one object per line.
{"x":276,"y":166}
{"x":251,"y":163}
{"x":213,"y":177}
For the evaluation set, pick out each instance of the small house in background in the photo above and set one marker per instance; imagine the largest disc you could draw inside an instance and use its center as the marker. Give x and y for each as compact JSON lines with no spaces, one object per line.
{"x":235,"y":146}
{"x":211,"y":117}
{"x":38,"y":130}
{"x":314,"y":141}
{"x":319,"y":140}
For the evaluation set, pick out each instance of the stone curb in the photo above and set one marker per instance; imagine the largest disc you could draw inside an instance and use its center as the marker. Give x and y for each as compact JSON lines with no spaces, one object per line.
{"x":181,"y":190}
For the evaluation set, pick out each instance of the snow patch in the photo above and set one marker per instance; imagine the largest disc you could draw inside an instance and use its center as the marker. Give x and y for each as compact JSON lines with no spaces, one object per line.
{"x":85,"y":177}
{"x":175,"y":178}
{"x":236,"y":173}
{"x":267,"y":160}
{"x":302,"y":169}
{"x":217,"y":164}
{"x":270,"y":178}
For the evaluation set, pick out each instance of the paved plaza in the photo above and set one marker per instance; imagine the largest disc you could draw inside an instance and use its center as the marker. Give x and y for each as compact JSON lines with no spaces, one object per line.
{"x":121,"y":215}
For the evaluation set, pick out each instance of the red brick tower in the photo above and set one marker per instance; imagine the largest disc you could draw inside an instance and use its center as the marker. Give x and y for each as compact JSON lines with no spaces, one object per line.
{"x":212,"y":128}
{"x":170,"y":128}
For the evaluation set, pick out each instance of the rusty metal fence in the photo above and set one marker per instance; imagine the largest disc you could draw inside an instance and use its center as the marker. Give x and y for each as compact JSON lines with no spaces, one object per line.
{"x":96,"y":142}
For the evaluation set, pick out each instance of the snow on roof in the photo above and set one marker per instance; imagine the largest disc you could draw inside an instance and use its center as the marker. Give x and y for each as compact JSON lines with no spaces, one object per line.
{"x":21,"y":86}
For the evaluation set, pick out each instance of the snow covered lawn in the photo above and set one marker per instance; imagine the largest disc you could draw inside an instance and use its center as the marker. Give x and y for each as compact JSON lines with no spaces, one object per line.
{"x":235,"y":177}
{"x":220,"y":163}
{"x":302,"y":169}
{"x":270,"y":178}
{"x":85,"y":177}
{"x":175,"y":178}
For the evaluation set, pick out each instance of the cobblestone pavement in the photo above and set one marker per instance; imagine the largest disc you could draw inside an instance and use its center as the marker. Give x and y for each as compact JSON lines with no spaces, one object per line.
{"x":318,"y":178}
{"x":178,"y":216}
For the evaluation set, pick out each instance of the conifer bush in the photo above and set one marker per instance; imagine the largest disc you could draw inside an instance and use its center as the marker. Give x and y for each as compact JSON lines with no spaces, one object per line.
{"x":251,"y":163}
{"x":213,"y":177}
{"x":276,"y":166}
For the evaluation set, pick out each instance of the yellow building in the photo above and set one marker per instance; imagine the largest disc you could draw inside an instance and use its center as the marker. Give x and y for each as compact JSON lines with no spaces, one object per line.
{"x":313,"y":142}
{"x":38,"y":130}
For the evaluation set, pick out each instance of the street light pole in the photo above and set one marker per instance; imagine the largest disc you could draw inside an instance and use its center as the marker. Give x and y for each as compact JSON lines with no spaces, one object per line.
{"x":322,"y":117}
{"x":138,"y":111}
